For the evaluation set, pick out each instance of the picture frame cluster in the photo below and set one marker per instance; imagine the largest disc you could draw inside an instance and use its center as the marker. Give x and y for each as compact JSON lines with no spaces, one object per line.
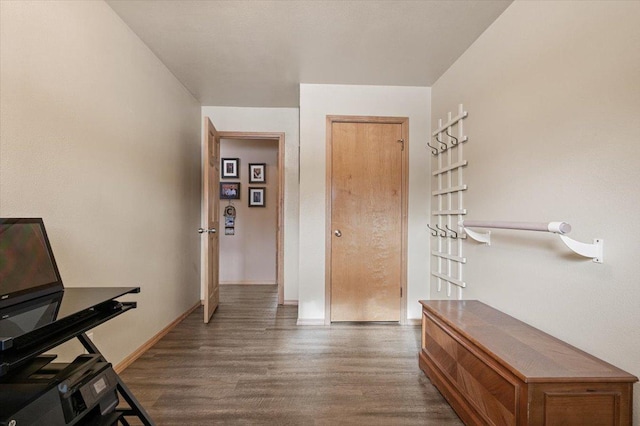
{"x":230,"y":169}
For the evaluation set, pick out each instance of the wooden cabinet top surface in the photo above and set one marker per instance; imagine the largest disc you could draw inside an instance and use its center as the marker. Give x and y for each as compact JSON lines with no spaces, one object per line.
{"x":527,"y":352}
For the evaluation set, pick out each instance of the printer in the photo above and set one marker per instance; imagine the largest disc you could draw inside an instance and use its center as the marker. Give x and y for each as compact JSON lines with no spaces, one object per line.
{"x":83,"y":392}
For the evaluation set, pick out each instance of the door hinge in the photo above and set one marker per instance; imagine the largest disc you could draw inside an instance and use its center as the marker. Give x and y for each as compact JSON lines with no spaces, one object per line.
{"x":400,"y":291}
{"x":402,"y":142}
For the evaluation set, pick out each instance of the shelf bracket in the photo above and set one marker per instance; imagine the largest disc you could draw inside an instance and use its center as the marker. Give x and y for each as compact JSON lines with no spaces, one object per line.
{"x":481,"y":237}
{"x":595,"y":251}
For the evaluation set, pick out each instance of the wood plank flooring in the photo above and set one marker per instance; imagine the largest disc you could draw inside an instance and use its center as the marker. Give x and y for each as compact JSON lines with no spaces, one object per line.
{"x":253,"y":365}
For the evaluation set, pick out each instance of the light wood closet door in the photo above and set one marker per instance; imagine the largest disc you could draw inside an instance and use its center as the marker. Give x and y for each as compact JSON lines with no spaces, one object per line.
{"x":366,"y":221}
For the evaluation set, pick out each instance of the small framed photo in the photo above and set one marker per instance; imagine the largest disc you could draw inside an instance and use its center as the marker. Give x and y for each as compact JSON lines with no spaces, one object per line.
{"x":230,"y":168}
{"x":257,"y":173}
{"x":229,"y":190}
{"x":256,"y":197}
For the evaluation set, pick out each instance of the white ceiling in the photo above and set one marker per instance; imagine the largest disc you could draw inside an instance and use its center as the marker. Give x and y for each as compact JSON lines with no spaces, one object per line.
{"x":256,"y":53}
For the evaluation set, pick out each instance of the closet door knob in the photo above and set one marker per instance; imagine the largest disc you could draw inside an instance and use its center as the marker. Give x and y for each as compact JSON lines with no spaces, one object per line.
{"x":337,"y":233}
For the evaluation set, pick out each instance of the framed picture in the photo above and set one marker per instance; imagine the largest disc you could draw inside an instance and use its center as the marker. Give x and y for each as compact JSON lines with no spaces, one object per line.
{"x":229,"y":168}
{"x":229,"y":190}
{"x":257,"y":173}
{"x":256,"y":197}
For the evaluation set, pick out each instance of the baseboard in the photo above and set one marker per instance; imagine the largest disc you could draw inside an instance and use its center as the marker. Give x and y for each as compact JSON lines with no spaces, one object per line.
{"x":248,"y":283}
{"x":127,"y":361}
{"x":317,"y":321}
{"x":314,"y":321}
{"x":290,"y":302}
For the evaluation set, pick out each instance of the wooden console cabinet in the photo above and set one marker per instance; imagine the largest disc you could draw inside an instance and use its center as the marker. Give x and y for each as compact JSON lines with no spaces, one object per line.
{"x":496,"y":370}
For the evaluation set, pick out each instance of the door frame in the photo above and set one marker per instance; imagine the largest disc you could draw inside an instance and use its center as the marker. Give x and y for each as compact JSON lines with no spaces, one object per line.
{"x":404,"y":121}
{"x":271,"y":136}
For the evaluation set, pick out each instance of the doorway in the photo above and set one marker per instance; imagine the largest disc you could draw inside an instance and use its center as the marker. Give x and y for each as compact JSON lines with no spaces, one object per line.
{"x":271,"y":138}
{"x":366,"y":234}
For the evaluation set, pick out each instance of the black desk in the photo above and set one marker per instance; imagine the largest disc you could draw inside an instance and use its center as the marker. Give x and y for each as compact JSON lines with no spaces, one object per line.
{"x":34,"y":327}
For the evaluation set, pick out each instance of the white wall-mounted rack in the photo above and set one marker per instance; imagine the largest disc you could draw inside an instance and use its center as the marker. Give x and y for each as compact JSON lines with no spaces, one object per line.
{"x":452,"y":121}
{"x":448,"y":164}
{"x":594,"y":251}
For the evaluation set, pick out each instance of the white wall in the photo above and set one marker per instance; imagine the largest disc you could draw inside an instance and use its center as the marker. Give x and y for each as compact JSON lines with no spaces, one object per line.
{"x":553,"y":95}
{"x":98,"y":138}
{"x":232,"y":119}
{"x":249,"y":256}
{"x":316,"y":102}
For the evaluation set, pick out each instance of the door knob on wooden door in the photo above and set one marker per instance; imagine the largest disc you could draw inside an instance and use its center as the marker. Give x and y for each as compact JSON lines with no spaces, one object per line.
{"x":337,"y":233}
{"x":209,"y":231}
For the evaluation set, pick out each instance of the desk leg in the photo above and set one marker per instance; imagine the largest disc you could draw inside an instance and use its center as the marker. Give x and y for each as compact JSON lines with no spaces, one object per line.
{"x":136,"y":409}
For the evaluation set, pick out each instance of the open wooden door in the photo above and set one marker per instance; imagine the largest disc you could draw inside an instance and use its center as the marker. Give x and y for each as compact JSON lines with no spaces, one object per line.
{"x":211,"y":178}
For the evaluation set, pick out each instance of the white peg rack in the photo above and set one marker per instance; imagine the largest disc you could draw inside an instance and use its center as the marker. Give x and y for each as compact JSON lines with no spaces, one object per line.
{"x":448,"y":162}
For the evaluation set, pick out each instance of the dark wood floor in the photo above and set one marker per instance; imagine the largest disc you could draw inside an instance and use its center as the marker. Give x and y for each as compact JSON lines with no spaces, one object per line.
{"x":253,"y":365}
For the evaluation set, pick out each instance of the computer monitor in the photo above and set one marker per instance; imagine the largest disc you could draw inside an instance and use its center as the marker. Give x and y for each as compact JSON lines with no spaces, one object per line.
{"x":27,"y":266}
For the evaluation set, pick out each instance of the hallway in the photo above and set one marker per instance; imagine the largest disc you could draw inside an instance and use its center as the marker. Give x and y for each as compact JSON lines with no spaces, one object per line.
{"x":253,"y":365}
